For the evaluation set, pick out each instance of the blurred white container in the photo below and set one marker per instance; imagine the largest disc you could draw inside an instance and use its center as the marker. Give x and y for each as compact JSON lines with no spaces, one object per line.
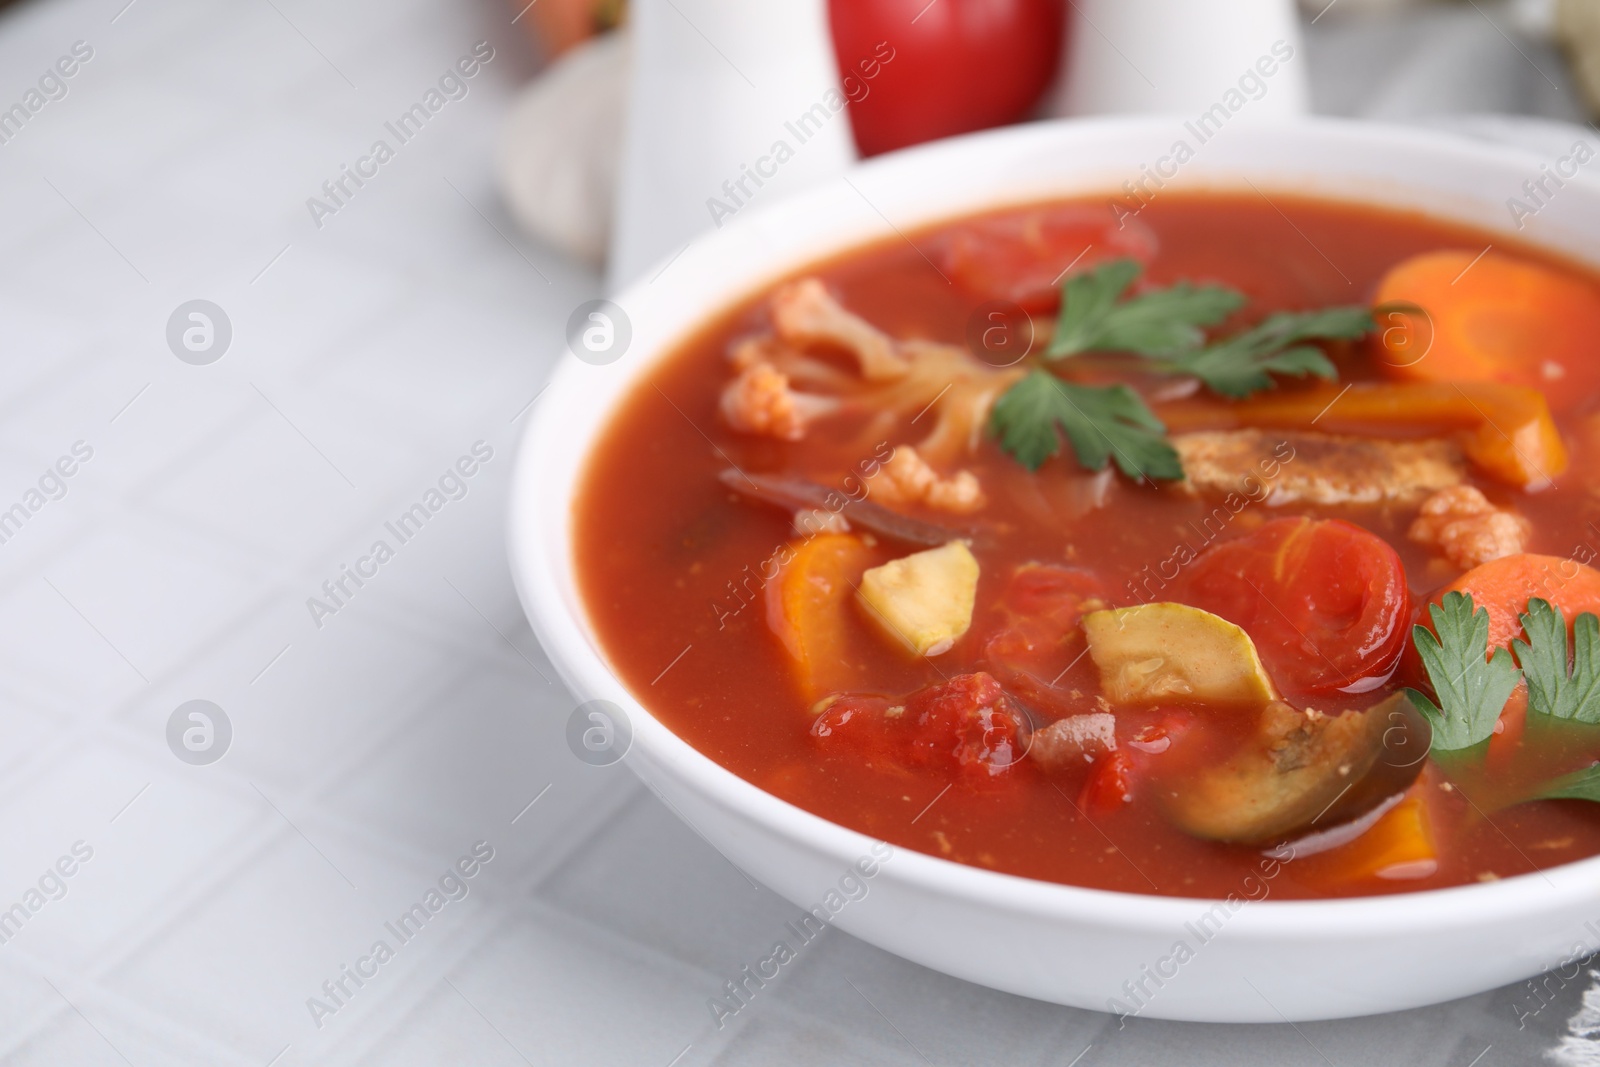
{"x":1180,"y":57}
{"x":717,"y":86}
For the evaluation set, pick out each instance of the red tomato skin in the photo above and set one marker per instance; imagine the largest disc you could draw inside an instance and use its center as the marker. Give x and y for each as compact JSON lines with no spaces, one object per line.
{"x":967,"y":724}
{"x":1325,"y":601}
{"x":1109,"y":785}
{"x":1033,"y":652}
{"x":914,"y":71}
{"x":1046,"y":589}
{"x":1020,"y":257}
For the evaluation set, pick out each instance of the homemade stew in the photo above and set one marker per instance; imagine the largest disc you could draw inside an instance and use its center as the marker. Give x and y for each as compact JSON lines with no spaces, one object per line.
{"x":1241,"y":546}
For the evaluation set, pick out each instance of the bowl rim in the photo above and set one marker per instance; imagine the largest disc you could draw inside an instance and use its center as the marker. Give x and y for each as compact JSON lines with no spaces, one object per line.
{"x":582,"y":665}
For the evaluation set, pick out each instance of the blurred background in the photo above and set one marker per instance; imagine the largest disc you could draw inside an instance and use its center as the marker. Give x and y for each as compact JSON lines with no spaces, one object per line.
{"x":269,"y":272}
{"x":960,"y":67}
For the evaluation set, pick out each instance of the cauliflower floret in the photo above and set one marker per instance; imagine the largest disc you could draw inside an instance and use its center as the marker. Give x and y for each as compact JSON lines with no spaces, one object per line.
{"x":759,"y":400}
{"x":806,"y":313}
{"x":941,"y":384}
{"x":907,"y":479}
{"x":1467,"y":529}
{"x":802,"y":370}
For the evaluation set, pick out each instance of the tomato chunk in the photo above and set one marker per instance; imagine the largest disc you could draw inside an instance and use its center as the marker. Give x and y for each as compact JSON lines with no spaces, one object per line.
{"x":1034,"y":652}
{"x":1109,"y":785}
{"x":1324,"y":601}
{"x":1020,"y":256}
{"x":968,"y":723}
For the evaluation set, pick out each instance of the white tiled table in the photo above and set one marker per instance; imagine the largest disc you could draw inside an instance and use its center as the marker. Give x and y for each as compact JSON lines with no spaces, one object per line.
{"x":372,"y":751}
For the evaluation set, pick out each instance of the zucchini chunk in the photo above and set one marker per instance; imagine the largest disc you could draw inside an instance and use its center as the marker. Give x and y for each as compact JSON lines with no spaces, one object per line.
{"x":925,"y":599}
{"x":1161,"y":651}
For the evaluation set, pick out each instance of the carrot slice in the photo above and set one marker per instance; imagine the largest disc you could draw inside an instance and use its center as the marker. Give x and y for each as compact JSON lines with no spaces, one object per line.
{"x":1504,"y":587}
{"x":1505,"y":430}
{"x":808,"y":607}
{"x":1399,"y":846}
{"x":1506,"y":741}
{"x":1494,"y":318}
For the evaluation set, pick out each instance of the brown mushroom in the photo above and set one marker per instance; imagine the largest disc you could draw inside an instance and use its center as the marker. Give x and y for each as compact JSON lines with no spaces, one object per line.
{"x":1302,"y":771}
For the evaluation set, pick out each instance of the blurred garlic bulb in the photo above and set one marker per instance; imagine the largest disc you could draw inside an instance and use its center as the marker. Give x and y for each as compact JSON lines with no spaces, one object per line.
{"x":560,"y":146}
{"x":1578,"y":27}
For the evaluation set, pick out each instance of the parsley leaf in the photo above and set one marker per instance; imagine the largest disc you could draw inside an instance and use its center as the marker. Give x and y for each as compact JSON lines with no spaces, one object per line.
{"x":1161,"y":322}
{"x":1552,"y":689}
{"x":1166,"y":326}
{"x":1239,"y":365}
{"x":1472,"y":687}
{"x":1580,"y":785}
{"x":1101,"y":422}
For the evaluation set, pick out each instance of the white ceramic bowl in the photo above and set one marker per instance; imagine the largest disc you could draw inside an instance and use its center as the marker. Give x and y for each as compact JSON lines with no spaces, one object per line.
{"x":1270,"y":960}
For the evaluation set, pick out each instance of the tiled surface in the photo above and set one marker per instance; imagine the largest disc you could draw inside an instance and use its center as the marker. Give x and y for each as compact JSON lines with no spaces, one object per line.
{"x":372,"y":751}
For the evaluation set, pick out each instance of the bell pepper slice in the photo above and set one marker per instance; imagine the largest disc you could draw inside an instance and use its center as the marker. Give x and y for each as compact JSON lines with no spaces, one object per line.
{"x":1505,"y":430}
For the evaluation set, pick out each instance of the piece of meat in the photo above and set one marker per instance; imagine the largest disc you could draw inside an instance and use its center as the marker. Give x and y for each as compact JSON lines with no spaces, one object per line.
{"x":1467,"y":529}
{"x":805,"y":313}
{"x":1073,"y":738}
{"x":1280,"y":467}
{"x":760,"y":401}
{"x":907,"y":479}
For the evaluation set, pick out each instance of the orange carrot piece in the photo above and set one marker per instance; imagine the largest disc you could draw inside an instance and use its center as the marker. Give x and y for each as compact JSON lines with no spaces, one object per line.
{"x":1506,"y":741}
{"x":1504,"y":587}
{"x":1489,"y":318}
{"x":808,"y":607}
{"x":1399,"y":846}
{"x":1506,"y":430}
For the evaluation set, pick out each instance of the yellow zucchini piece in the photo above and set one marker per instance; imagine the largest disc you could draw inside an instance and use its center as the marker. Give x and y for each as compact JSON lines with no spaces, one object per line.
{"x":924,"y":599}
{"x":1162,"y":651}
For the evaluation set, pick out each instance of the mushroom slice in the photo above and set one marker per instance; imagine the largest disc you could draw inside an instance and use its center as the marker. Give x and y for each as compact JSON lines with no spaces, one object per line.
{"x":797,"y":494}
{"x":1302,"y":772}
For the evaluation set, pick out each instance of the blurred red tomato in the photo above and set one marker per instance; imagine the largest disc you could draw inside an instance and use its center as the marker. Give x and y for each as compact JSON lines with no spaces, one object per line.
{"x":915,"y":70}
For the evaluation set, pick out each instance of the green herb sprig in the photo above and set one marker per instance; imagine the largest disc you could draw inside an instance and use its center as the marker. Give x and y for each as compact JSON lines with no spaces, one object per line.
{"x":1161,"y":322}
{"x":1102,"y":422}
{"x":1554,"y":689}
{"x":1472,"y":687}
{"x":1243,"y":364}
{"x":1165,"y":328}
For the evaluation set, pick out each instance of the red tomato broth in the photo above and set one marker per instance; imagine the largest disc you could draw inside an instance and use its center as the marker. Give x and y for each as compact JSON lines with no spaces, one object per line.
{"x":663,"y":547}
